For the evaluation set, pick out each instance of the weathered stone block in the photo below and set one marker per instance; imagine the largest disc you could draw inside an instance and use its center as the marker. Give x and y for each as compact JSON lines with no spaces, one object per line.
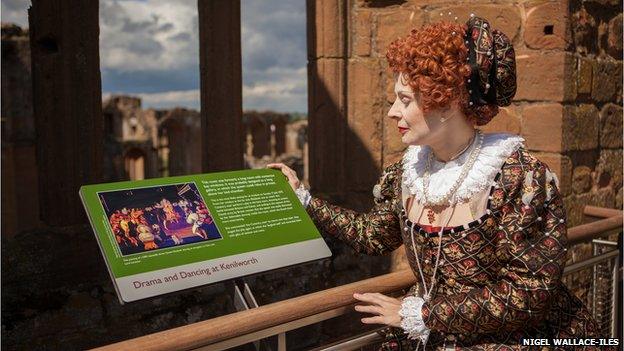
{"x":609,"y":169}
{"x":602,"y":198}
{"x":507,"y":120}
{"x":394,"y":24}
{"x":611,"y":126}
{"x":584,"y":32}
{"x":614,"y":37}
{"x":570,"y":72}
{"x":555,"y":128}
{"x":362,"y":28}
{"x":503,"y":17}
{"x":546,"y":25}
{"x":584,"y":78}
{"x":581,"y":179}
{"x":580,"y":127}
{"x":607,"y":80}
{"x":545,"y":76}
{"x":542,"y":126}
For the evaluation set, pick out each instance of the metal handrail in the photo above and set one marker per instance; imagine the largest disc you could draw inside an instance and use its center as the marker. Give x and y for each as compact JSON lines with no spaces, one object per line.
{"x":589,"y":231}
{"x":246,"y":326}
{"x":268,"y":316}
{"x":602,"y":212}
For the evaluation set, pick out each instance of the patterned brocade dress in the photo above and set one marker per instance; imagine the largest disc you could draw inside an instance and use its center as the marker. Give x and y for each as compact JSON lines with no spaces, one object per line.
{"x":499,"y":280}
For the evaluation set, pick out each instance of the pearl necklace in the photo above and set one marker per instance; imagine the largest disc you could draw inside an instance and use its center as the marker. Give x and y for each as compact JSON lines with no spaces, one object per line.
{"x":427,"y":291}
{"x":464,"y":172}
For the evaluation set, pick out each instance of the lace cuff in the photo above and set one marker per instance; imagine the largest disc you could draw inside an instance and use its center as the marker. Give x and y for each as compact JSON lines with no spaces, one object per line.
{"x":304,"y":195}
{"x":411,"y":320}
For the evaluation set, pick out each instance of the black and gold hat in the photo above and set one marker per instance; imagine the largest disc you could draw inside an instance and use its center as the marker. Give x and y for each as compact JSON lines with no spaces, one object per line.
{"x":493,"y":62}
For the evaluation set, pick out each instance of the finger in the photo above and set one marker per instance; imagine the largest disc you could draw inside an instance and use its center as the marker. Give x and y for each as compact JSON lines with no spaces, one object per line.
{"x":368,"y":297}
{"x":281,"y":167}
{"x":291,"y":174}
{"x":373,"y":320}
{"x":291,"y":178}
{"x":369,"y":309}
{"x":285,"y":169}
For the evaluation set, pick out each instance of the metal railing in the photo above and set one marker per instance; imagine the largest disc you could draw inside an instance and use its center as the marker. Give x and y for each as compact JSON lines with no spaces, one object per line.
{"x":605,"y":286}
{"x":258,"y":323}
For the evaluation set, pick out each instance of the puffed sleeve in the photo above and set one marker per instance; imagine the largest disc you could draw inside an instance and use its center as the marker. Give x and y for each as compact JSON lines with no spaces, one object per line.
{"x":531,"y":247}
{"x":376,"y":232}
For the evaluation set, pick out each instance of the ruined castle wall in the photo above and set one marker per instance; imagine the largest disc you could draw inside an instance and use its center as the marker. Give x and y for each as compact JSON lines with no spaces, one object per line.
{"x":20,"y":198}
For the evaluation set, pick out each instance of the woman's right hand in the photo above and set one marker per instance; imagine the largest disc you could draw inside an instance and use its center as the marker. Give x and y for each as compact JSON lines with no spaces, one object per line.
{"x":290,"y":174}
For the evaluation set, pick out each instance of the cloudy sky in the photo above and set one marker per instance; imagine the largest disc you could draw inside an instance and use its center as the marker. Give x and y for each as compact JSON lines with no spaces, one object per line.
{"x":150,"y":48}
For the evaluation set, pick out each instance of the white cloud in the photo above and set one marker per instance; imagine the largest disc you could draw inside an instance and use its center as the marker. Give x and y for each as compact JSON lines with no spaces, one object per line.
{"x":154,"y":37}
{"x":274,"y":55}
{"x":138,"y":35}
{"x":286,"y":93}
{"x":151,"y":36}
{"x":170,"y":98}
{"x":15,"y":11}
{"x":279,"y":89}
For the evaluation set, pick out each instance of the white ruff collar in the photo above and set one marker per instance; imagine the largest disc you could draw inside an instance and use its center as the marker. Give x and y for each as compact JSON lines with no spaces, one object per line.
{"x":496,"y":148}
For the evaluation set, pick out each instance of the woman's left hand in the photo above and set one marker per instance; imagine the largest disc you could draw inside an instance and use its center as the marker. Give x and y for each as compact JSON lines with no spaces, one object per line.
{"x":385,"y":308}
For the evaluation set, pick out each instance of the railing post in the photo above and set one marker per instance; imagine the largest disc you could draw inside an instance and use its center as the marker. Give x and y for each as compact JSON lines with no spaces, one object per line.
{"x":281,"y":342}
{"x":615,"y":284}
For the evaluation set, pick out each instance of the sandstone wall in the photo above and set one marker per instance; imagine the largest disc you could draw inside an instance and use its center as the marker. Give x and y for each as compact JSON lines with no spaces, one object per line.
{"x":568,"y":105}
{"x":20,"y":197}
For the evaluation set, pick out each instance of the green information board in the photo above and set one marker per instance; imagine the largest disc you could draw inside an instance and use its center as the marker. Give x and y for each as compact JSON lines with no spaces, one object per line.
{"x":167,"y":234}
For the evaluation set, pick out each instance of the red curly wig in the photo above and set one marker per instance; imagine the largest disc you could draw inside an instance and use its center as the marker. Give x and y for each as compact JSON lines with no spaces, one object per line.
{"x":433,"y":60}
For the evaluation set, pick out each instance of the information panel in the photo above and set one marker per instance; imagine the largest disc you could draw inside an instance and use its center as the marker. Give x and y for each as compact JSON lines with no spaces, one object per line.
{"x":167,"y":234}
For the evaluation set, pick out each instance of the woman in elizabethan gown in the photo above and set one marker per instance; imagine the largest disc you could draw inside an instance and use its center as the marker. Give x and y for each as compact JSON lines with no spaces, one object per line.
{"x":482,"y":219}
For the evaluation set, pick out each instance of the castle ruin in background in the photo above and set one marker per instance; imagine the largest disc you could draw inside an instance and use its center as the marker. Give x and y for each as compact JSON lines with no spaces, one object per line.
{"x":148,"y":143}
